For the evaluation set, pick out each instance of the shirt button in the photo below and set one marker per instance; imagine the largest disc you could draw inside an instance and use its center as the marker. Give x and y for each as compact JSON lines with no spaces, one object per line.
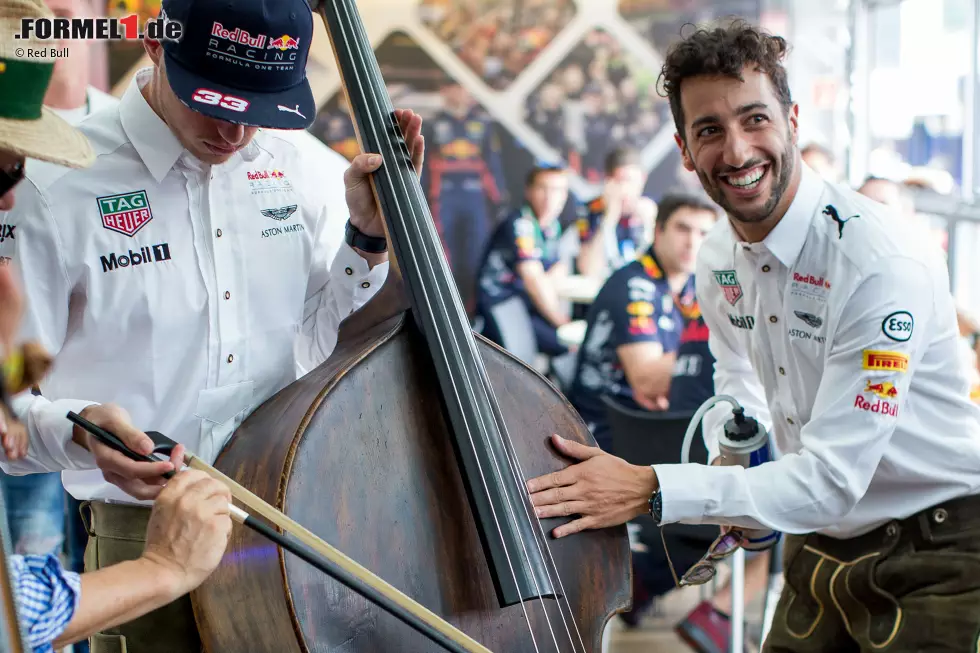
{"x":231,"y":358}
{"x":218,"y":233}
{"x":349,"y":271}
{"x":365,"y":285}
{"x":773,"y":319}
{"x":227,"y":295}
{"x":782,"y":371}
{"x":766,"y":268}
{"x":790,"y":420}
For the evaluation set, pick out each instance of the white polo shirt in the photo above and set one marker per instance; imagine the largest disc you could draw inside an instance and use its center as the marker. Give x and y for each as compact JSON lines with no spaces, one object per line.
{"x":186,"y":293}
{"x":840,"y":331}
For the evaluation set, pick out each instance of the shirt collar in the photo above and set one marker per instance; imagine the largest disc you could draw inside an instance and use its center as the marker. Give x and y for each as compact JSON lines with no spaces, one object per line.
{"x":786,"y":239}
{"x":154,"y":142}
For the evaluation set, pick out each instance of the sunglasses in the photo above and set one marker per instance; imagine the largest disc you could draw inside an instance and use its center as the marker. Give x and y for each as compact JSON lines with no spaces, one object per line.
{"x":10,"y":176}
{"x":706,"y":568}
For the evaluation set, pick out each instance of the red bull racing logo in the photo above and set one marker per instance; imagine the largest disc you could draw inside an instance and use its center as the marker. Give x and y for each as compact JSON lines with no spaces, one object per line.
{"x":238,"y":47}
{"x":460,"y":149}
{"x":886,"y":392}
{"x":284,"y":42}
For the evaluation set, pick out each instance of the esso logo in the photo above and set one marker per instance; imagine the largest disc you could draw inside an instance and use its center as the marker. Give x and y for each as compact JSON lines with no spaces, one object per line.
{"x":207,"y":96}
{"x":898,"y":326}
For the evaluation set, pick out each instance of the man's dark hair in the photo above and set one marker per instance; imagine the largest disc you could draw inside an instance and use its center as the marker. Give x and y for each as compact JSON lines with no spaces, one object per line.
{"x":620,"y":158}
{"x":724,"y":51}
{"x":673,"y":202}
{"x":537,"y":171}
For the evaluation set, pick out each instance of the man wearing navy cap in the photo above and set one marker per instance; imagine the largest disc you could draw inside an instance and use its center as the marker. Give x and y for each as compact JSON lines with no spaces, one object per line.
{"x":194,"y":270}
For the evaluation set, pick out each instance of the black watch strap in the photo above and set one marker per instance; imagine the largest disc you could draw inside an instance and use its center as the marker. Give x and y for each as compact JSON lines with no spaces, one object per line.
{"x":360,"y":240}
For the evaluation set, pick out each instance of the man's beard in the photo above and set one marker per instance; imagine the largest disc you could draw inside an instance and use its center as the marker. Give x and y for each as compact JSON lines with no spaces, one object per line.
{"x":779,"y":187}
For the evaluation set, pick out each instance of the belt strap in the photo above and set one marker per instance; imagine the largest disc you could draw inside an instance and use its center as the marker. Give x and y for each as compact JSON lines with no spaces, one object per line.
{"x":100,"y":643}
{"x":115,"y":520}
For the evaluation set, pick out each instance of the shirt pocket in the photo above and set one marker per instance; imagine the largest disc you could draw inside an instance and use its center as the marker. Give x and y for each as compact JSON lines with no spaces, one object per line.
{"x":221,"y":410}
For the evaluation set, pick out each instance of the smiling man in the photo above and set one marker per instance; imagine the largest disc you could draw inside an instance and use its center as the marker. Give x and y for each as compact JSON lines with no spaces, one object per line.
{"x":834,"y":324}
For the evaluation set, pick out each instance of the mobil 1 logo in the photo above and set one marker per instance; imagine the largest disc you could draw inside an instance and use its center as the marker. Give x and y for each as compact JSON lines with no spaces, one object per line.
{"x":144,"y":255}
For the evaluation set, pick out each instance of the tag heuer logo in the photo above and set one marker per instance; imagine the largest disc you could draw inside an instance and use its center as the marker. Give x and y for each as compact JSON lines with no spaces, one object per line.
{"x":282,"y":213}
{"x":125,"y":213}
{"x":729,"y":283}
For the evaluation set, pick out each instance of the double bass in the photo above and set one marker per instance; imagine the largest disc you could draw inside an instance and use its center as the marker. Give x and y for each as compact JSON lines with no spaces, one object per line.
{"x":409,"y":449}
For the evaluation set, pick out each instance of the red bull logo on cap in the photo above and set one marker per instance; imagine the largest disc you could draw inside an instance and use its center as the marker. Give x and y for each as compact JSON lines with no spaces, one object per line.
{"x":238,"y":35}
{"x":284,"y":42}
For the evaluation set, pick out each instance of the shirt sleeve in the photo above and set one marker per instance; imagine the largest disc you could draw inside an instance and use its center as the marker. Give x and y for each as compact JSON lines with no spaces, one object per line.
{"x":733,"y":375}
{"x":47,"y":596}
{"x":36,"y":247}
{"x":525,"y":237}
{"x":340,"y":283}
{"x":636,"y":308}
{"x":888,"y":317}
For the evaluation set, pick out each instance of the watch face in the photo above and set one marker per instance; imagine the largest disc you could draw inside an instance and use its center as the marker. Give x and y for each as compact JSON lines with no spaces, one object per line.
{"x":656,"y":506}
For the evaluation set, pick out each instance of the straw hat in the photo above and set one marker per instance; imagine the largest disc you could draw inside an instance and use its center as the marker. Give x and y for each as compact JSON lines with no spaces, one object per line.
{"x":26,"y":127}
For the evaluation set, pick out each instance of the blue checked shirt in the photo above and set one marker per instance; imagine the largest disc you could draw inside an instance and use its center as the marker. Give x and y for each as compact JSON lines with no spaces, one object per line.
{"x":46,"y":598}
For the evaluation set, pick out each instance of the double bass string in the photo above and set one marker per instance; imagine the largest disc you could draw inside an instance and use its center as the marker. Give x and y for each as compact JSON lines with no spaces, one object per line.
{"x":518,"y":471}
{"x":393,"y":158}
{"x":428,"y":260}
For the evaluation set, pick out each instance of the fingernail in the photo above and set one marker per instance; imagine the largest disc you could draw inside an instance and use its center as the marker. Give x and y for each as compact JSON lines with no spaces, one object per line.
{"x":537,"y":511}
{"x":374,"y":159}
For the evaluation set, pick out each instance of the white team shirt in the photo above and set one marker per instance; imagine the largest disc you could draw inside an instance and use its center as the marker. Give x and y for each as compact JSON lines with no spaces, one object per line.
{"x":842,"y":335}
{"x":186,"y":293}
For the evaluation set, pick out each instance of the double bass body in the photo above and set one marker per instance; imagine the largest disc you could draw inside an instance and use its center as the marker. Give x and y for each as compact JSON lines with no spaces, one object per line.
{"x":359,"y":452}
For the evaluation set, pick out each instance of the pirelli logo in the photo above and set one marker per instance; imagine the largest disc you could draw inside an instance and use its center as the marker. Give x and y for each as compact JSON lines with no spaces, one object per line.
{"x":886,"y":361}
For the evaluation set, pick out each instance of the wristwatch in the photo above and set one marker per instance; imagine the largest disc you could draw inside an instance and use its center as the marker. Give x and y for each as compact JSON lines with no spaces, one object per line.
{"x":656,"y":507}
{"x":360,"y":240}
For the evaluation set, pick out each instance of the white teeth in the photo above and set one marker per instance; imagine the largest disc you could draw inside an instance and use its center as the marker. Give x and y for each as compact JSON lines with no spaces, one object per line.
{"x":746,"y":181}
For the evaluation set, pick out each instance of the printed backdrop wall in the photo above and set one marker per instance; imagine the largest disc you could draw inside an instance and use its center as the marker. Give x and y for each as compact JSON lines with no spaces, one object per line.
{"x":503,"y":84}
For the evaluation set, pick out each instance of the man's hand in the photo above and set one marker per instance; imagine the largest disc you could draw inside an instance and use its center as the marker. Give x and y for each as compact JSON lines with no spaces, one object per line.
{"x":139,"y":480}
{"x":365,"y":214}
{"x":613,"y":201}
{"x":14,"y":436}
{"x":602,"y":489}
{"x":188,"y":530}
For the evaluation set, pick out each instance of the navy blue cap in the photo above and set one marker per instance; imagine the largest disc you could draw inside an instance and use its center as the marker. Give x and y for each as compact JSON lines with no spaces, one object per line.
{"x":243,"y":61}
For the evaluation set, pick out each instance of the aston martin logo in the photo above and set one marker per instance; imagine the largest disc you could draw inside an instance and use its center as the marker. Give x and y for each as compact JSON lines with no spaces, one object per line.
{"x":282,"y":213}
{"x":810,"y":319}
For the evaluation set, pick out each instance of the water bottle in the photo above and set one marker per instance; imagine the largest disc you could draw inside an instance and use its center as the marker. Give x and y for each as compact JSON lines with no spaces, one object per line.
{"x":745,"y":442}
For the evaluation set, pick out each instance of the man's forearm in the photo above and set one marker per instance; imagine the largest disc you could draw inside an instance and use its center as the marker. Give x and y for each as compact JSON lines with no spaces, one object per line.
{"x":116,"y":595}
{"x":546,"y":300}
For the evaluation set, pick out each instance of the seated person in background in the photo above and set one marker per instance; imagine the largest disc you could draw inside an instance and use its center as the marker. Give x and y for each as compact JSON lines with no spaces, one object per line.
{"x":634,"y":325}
{"x":522,"y":260}
{"x":618,"y":225}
